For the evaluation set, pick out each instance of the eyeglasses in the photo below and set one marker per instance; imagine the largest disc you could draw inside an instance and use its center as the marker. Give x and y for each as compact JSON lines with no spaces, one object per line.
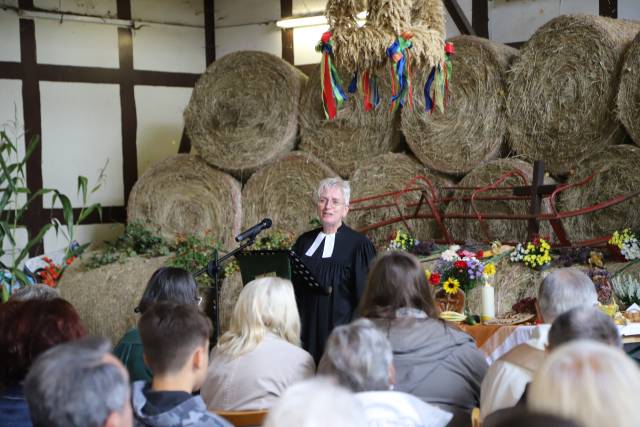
{"x":323,"y":201}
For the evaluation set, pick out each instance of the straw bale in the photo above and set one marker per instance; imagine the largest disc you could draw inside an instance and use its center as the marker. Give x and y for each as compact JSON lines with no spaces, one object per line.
{"x":472,"y":129}
{"x":618,"y":175}
{"x":386,"y":173}
{"x":183,"y":195}
{"x":428,"y":30}
{"x":561,"y":100}
{"x":229,"y":292}
{"x":355,"y":134}
{"x":284,"y":191}
{"x":243,"y":111}
{"x":504,"y":230}
{"x":629,"y":93}
{"x":106,"y":296}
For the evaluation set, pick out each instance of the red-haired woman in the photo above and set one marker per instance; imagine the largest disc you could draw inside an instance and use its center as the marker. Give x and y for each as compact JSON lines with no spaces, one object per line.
{"x":28,"y":329}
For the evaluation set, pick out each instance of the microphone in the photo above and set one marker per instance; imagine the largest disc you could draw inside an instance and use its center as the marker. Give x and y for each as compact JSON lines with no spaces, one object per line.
{"x":254,"y":231}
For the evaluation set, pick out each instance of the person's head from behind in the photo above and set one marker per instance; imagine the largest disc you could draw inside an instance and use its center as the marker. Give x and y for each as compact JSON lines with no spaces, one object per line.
{"x":396,"y":280}
{"x":37,"y":291}
{"x":265,"y":305}
{"x":29,"y":328}
{"x":169,"y":284}
{"x":175,"y":338}
{"x":79,"y":384}
{"x":317,"y":402}
{"x":564,"y":289}
{"x":583,"y":323}
{"x":359,"y":357}
{"x":588,"y":382}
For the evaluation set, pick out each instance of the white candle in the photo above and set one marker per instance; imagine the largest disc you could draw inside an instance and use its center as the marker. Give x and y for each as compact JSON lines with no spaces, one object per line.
{"x":488,"y":303}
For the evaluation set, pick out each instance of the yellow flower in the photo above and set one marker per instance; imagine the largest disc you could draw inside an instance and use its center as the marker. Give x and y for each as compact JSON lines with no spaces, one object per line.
{"x":451,"y":286}
{"x":427,"y":273}
{"x":490,"y":269}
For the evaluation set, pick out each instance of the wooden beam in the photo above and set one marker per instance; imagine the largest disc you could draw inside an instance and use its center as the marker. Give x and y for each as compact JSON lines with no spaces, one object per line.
{"x":459,"y":18}
{"x":608,"y":8}
{"x":209,"y":31}
{"x":286,"y":10}
{"x":480,"y":17}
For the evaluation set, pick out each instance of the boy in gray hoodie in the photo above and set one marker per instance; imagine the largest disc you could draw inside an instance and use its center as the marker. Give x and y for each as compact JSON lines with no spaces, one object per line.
{"x":176,"y":347}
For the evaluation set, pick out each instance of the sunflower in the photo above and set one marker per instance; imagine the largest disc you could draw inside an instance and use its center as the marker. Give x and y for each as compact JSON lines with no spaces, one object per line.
{"x":451,"y":286}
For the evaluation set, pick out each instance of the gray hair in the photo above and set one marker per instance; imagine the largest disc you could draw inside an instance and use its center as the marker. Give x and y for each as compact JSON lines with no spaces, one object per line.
{"x":317,"y":402}
{"x":37,"y":291}
{"x":563,"y":290}
{"x":587,"y":323}
{"x":335,"y":182}
{"x":358,"y":355}
{"x":75,"y":385}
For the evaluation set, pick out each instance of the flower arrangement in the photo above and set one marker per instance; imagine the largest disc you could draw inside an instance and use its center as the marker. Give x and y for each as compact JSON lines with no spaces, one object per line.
{"x":405,"y":242}
{"x":627,"y":243}
{"x":460,"y":269}
{"x":535,"y":254}
{"x":626,"y":288}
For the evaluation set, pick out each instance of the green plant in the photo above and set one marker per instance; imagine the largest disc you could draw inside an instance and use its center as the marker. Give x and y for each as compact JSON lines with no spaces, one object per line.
{"x":627,"y":289}
{"x":136,"y":240}
{"x":14,"y":204}
{"x":193,"y":253}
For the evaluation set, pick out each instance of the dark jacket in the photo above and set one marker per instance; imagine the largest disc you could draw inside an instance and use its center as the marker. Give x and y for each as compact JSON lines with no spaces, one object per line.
{"x":14,"y":411}
{"x":130,"y":351}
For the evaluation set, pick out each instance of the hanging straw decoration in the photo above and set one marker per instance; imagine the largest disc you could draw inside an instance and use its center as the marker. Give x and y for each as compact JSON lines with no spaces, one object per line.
{"x":400,"y":58}
{"x":333,"y":96}
{"x":436,"y":89}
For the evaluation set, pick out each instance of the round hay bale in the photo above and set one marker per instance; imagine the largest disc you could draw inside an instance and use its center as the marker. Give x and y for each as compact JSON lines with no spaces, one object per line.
{"x":629,"y":93}
{"x":561,"y":101}
{"x":106,"y":296}
{"x":243,"y":111}
{"x":355,"y":135}
{"x":504,"y":230}
{"x":386,"y":173}
{"x":473,"y":127}
{"x":183,"y":195}
{"x":230,"y":289}
{"x":617,"y":175}
{"x":283,"y":191}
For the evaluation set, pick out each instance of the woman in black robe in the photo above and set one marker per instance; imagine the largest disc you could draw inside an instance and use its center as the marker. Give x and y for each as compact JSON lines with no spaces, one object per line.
{"x":339,"y":258}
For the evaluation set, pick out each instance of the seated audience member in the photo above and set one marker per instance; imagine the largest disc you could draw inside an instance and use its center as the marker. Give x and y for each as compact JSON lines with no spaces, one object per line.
{"x":79,"y":384}
{"x":580,"y":323}
{"x":588,"y":382}
{"x":316,"y":402}
{"x":28,"y":329}
{"x":176,"y":348}
{"x":260,"y":355}
{"x":166,"y":284}
{"x":37,"y":291}
{"x":506,"y":379}
{"x":360,"y":358}
{"x":434,"y":361}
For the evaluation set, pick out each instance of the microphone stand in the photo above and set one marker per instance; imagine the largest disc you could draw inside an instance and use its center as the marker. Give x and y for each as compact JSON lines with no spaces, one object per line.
{"x":213,"y":271}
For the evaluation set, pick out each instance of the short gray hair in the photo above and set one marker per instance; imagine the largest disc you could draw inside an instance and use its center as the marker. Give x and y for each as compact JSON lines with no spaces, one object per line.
{"x":587,"y":323}
{"x":564,"y":289}
{"x":358,"y":355}
{"x":317,"y":402}
{"x":335,"y":182}
{"x":73,"y":385}
{"x":37,"y":291}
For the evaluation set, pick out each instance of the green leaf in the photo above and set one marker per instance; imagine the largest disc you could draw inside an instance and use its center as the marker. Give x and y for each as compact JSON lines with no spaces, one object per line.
{"x":34,"y":241}
{"x":83,"y":182}
{"x":5,"y":229}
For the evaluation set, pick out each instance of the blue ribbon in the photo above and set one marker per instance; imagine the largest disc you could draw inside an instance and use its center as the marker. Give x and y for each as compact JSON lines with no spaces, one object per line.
{"x":353,"y":86}
{"x":428,"y":104}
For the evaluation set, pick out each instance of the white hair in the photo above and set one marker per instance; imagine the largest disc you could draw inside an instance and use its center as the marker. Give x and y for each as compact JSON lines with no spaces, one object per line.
{"x":564,"y":289}
{"x":317,"y":402}
{"x":265,"y":305}
{"x":589,"y":382}
{"x":359,"y":356}
{"x":335,"y":182}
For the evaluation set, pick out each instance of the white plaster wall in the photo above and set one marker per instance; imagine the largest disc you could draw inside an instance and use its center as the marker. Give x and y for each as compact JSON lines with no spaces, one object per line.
{"x":169,"y":48}
{"x":21,"y":239}
{"x":160,"y":122}
{"x":629,"y":9}
{"x":81,"y":131}
{"x":188,"y":12}
{"x":12,"y":122}
{"x":9,"y":36}
{"x":76,"y":43}
{"x":305,"y":40}
{"x":84,"y":7}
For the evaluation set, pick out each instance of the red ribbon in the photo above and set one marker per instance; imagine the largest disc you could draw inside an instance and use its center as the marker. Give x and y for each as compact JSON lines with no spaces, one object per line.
{"x":327,"y":90}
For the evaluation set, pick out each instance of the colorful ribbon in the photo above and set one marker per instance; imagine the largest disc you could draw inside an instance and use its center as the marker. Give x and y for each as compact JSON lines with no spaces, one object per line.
{"x":333,"y":96}
{"x":400,"y":58}
{"x":436,"y":88}
{"x":369,"y":88}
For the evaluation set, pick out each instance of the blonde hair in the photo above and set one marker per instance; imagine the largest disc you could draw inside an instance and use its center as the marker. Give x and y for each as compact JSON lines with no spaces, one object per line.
{"x":588,"y":382}
{"x":264,"y":305}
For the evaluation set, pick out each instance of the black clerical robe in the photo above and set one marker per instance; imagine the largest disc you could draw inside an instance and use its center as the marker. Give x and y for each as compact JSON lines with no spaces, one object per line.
{"x":345,"y":271}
